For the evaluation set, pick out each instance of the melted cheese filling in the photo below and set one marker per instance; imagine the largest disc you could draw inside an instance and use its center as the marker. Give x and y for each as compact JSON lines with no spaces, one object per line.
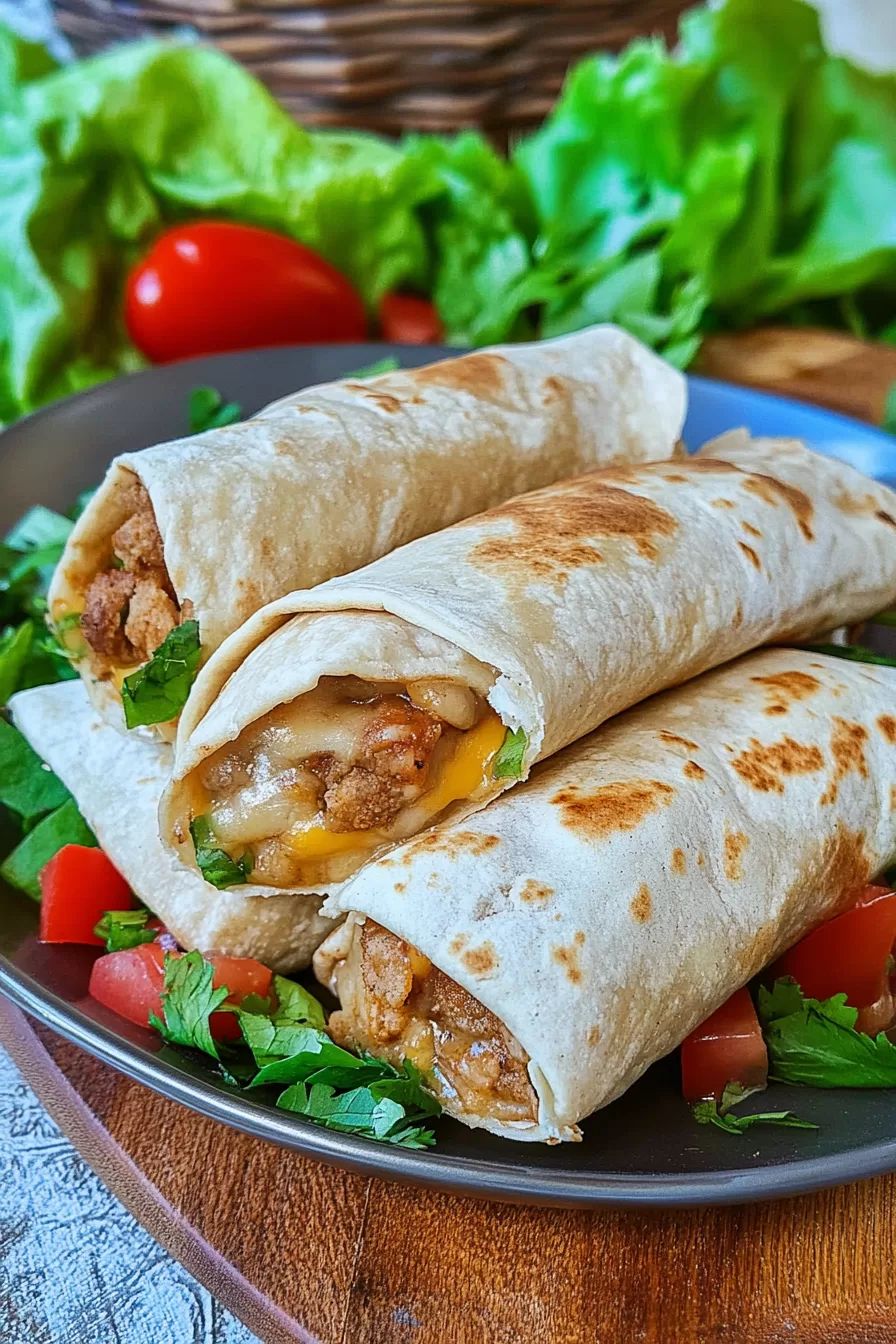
{"x":314,"y":786}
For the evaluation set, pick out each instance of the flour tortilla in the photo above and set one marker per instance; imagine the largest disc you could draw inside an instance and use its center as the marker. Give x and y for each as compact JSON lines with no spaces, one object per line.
{"x":332,"y":477}
{"x":116,"y":783}
{"x":608,"y":906}
{"x":575,"y":602}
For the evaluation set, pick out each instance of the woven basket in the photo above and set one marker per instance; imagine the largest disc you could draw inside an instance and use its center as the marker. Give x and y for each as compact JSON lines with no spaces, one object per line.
{"x":390,"y":65}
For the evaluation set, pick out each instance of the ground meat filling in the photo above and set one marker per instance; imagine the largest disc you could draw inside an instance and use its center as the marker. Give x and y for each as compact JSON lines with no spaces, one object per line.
{"x":129,"y":610}
{"x":401,"y":1006}
{"x":396,"y":750}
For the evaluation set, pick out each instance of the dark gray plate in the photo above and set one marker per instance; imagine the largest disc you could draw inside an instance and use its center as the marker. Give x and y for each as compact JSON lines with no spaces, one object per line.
{"x":644,"y":1149}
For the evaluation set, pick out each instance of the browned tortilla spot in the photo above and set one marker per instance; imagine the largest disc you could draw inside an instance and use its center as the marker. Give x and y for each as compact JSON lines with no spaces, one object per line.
{"x":848,"y":749}
{"x":458,"y":944}
{"x":679,"y":862}
{"x":775,"y":492}
{"x":551,"y":390}
{"x":737,"y":619}
{"x":676,"y":478}
{"x":700,"y":860}
{"x":384,"y":400}
{"x":722,"y":503}
{"x":400,"y":888}
{"x":693,"y":771}
{"x":593,"y":1037}
{"x":568,"y":958}
{"x":641,"y":904}
{"x":482,"y":375}
{"x":735,"y":844}
{"x":748,"y":527}
{"x":536,"y":893}
{"x":481,"y":961}
{"x":673,"y":740}
{"x":451,"y":844}
{"x":612,"y":807}
{"x":887,"y":724}
{"x":882,"y":516}
{"x":763,"y":767}
{"x":712,"y":466}
{"x":750,"y":554}
{"x":893,"y":797}
{"x":847,"y":864}
{"x":785,"y":688}
{"x":554,"y":528}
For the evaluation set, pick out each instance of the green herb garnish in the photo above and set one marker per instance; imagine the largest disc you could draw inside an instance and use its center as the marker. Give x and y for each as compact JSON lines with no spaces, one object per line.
{"x":884,"y":618}
{"x":158,"y":691}
{"x":188,"y":1001}
{"x":508,"y":763}
{"x":889,"y":420}
{"x":855,"y":653}
{"x":121,"y":929}
{"x":65,"y":826}
{"x":814,"y":1042}
{"x":208,"y":410}
{"x":386,"y":365}
{"x":720,"y":1114}
{"x":215,"y":864}
{"x":27,"y":786}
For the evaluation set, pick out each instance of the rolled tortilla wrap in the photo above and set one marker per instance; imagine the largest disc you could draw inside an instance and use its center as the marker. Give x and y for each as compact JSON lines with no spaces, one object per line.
{"x":351,"y":717}
{"x":116,"y":783}
{"x":214,"y":526}
{"x":582,"y":925}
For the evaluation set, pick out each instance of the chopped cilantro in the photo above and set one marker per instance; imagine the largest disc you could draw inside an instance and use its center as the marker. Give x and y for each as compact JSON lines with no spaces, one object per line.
{"x":188,"y":1001}
{"x":120,"y":929}
{"x":733,"y":1093}
{"x":214,"y":863}
{"x":889,"y":418}
{"x":386,"y":365}
{"x":814,"y":1042}
{"x":856,"y":653}
{"x":158,"y":691}
{"x":208,"y":410}
{"x":508,"y":763}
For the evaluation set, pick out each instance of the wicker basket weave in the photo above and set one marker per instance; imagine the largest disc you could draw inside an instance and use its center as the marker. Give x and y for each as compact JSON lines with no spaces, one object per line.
{"x":390,"y":65}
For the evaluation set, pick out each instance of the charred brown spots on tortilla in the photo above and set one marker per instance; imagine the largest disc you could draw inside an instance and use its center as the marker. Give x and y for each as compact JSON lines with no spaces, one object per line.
{"x":737,"y":619}
{"x":887,"y":724}
{"x":554,"y":529}
{"x":641,"y":904}
{"x":451,"y":844}
{"x":765,"y":767}
{"x":786,"y":688}
{"x":775,"y":492}
{"x":536,"y":893}
{"x":611,"y":807}
{"x":750,"y":554}
{"x":384,"y":400}
{"x":679,"y":863}
{"x":674,"y":740}
{"x":693,"y":771}
{"x":568,"y":958}
{"x":848,"y":750}
{"x":846,"y":864}
{"x":552,"y":389}
{"x":481,"y":961}
{"x":735,"y":846}
{"x":482,"y":375}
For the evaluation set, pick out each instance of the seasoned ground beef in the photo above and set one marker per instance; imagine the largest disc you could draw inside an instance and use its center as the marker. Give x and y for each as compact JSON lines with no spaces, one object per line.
{"x":105,"y":606}
{"x":151,"y":616}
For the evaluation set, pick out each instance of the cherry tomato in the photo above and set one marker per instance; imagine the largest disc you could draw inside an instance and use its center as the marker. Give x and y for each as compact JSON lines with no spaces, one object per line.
{"x":848,"y":954}
{"x":728,"y":1047}
{"x":212,"y":286}
{"x":131,"y":983}
{"x":406,"y":319}
{"x":78,"y":886}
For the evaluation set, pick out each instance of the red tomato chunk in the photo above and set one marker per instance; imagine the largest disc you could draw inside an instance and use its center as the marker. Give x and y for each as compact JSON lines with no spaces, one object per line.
{"x":848,"y":954}
{"x":728,"y":1047}
{"x":78,"y":886}
{"x":406,"y":319}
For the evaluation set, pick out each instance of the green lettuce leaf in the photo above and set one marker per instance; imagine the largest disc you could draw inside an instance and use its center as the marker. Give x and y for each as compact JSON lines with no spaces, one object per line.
{"x":215,"y":864}
{"x":64,"y":826}
{"x":508,"y":763}
{"x":386,"y":365}
{"x":27,"y":786}
{"x":208,"y":410}
{"x":815,"y":1043}
{"x":158,"y":691}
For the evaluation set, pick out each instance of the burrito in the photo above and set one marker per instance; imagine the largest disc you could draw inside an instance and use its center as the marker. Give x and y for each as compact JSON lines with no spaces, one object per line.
{"x":117,"y":783}
{"x":532,"y":961}
{"x":210,"y":528}
{"x":350,"y":718}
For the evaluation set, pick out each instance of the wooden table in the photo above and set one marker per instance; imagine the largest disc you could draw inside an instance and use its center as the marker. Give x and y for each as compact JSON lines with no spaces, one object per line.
{"x":303,"y":1252}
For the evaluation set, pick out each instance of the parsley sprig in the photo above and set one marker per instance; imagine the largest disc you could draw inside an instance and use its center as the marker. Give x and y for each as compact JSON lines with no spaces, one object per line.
{"x":815,"y":1043}
{"x":721,"y":1113}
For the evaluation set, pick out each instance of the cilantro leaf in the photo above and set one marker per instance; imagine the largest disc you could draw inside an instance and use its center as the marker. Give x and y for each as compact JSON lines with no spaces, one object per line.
{"x":815,"y":1042}
{"x":27,"y":786}
{"x":889,"y":421}
{"x":188,"y":1001}
{"x":121,"y":929}
{"x":39,"y":528}
{"x":386,"y":365}
{"x":357,"y":1112}
{"x":157,"y":691}
{"x":709,"y":1113}
{"x":295,"y":1004}
{"x":65,"y":826}
{"x":508,"y":764}
{"x":855,"y":653}
{"x":208,"y":410}
{"x":214,"y":863}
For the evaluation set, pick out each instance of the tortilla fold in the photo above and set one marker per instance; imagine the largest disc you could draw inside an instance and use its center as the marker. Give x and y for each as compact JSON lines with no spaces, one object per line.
{"x":330,"y":478}
{"x":603,"y":910}
{"x":564,"y":607}
{"x":116,"y":783}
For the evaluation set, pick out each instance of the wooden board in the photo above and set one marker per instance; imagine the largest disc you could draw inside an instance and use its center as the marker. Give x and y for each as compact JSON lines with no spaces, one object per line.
{"x":303,"y":1252}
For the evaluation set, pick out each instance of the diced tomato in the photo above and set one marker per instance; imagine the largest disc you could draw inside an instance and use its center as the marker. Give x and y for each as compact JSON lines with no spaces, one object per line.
{"x":848,"y":954}
{"x":728,"y":1047}
{"x":211,"y":286}
{"x":131,"y":983}
{"x":406,"y":319}
{"x":78,"y":886}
